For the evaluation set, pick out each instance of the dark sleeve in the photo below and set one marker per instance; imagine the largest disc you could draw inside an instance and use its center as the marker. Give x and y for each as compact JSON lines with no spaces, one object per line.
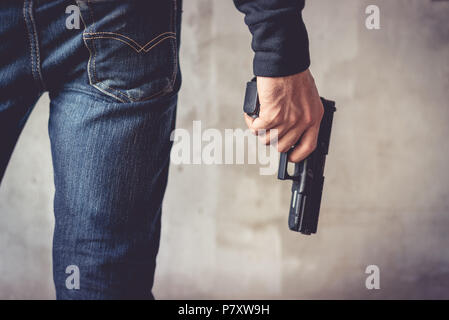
{"x":280,"y":39}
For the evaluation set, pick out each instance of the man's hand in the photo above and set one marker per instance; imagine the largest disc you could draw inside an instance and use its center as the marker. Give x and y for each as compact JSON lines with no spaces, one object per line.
{"x":291,"y":105}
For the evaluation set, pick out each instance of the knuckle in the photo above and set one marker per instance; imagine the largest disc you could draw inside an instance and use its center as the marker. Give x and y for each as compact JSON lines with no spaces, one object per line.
{"x":278,"y":119}
{"x":307,"y":120}
{"x":294,"y":158}
{"x":310,"y":147}
{"x":320,"y":115}
{"x":321,"y":111}
{"x":267,"y":123}
{"x":275,"y":117}
{"x":282,"y":148}
{"x":291,"y":121}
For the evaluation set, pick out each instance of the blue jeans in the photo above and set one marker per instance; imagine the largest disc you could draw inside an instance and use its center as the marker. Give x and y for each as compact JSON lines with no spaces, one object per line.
{"x":113,"y":87}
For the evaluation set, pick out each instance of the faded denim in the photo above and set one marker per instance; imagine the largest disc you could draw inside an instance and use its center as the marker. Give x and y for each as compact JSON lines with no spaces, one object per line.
{"x":113,"y":86}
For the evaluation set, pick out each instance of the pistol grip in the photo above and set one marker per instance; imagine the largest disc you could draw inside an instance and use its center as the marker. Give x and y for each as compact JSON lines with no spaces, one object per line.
{"x":283,"y":166}
{"x":251,"y":104}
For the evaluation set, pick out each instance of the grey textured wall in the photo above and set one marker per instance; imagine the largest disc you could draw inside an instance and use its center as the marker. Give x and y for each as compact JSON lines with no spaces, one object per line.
{"x":386,"y":198}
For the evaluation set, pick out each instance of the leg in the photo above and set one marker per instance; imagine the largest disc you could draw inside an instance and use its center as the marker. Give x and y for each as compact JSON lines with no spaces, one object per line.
{"x":111,"y":164}
{"x":113,"y":103}
{"x":19,"y":90}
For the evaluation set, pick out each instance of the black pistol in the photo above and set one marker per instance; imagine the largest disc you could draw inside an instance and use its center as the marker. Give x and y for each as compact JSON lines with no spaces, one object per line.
{"x":308,"y":175}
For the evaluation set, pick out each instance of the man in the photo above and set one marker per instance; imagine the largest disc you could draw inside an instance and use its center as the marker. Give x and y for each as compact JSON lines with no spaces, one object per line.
{"x":113,"y":87}
{"x":289,"y":100}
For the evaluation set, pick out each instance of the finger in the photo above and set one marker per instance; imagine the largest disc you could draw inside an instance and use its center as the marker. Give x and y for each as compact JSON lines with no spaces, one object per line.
{"x":289,"y":139}
{"x":249,"y":122}
{"x":260,"y":123}
{"x":269,"y":119}
{"x":273,"y":135}
{"x":305,"y":146}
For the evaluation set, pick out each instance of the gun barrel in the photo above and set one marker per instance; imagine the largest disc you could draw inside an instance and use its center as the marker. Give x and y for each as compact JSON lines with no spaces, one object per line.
{"x":308,"y":179}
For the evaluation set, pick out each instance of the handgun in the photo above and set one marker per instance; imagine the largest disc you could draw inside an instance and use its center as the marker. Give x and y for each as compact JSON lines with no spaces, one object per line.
{"x":308,"y":175}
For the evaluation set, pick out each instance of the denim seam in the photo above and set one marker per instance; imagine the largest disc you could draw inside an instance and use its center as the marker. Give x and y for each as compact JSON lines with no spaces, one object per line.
{"x":29,"y":37}
{"x":89,"y":62}
{"x":95,"y":84}
{"x":174,"y":45}
{"x":34,"y":42}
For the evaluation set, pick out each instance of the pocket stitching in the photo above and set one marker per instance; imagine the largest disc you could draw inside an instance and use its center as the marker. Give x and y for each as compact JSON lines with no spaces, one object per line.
{"x":139,"y":49}
{"x":117,"y":91}
{"x":94,"y":67}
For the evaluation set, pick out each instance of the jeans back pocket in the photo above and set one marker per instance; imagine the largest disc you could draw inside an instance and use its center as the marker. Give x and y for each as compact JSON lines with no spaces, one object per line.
{"x":132,"y":46}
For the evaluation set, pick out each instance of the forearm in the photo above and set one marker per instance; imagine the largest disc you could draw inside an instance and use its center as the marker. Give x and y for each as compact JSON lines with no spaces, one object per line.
{"x":280,"y":40}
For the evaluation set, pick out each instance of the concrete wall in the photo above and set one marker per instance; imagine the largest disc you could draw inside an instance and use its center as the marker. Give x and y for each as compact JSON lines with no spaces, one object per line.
{"x":386,"y":198}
